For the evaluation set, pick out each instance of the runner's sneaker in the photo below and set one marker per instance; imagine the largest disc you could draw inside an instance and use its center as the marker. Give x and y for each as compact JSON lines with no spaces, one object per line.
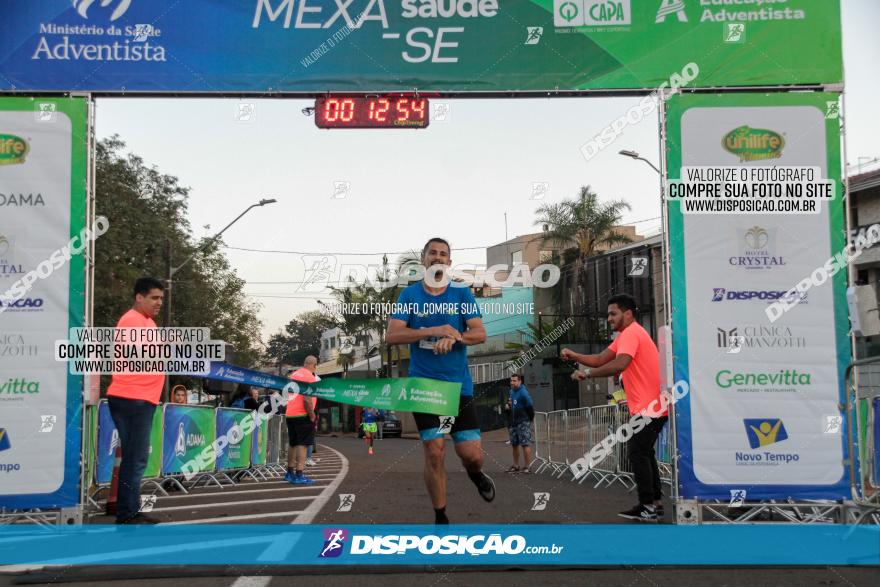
{"x":310,"y":463}
{"x":140,"y":518}
{"x":289,"y":477}
{"x":301,"y":479}
{"x":485,"y":485}
{"x":639,"y":513}
{"x":370,"y":451}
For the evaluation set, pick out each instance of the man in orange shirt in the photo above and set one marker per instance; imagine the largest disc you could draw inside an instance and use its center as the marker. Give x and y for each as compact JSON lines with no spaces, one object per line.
{"x":300,"y":416}
{"x":634,"y":354}
{"x":132,"y":400}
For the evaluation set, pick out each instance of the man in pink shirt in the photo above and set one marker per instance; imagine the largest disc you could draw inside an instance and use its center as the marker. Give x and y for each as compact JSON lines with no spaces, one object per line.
{"x":132,"y":400}
{"x":634,"y":354}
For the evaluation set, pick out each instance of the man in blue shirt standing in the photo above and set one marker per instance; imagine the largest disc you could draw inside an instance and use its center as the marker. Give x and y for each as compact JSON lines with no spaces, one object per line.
{"x":438,"y":350}
{"x":522,"y":412}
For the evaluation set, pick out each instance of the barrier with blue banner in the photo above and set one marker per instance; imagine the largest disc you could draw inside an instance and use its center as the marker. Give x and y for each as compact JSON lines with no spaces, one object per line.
{"x":237,"y":452}
{"x":876,"y":456}
{"x":108,"y":439}
{"x":189,"y":430}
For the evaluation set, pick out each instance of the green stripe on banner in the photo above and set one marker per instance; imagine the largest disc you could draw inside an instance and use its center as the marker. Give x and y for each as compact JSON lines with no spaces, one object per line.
{"x":407,"y":394}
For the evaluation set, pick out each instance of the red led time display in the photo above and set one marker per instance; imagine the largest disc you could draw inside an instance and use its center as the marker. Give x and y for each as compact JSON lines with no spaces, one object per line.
{"x":371,"y":112}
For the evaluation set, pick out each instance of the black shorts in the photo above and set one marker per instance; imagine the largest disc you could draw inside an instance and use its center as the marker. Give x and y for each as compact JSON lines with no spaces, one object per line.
{"x":464,"y":426}
{"x":300,"y":431}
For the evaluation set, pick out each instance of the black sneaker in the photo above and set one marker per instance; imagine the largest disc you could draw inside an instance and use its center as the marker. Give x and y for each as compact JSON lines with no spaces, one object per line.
{"x":140,"y":519}
{"x":485,"y":486}
{"x":639,"y":513}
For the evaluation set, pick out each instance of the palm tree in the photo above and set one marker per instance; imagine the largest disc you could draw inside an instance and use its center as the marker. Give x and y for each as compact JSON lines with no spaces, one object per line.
{"x":585,"y":223}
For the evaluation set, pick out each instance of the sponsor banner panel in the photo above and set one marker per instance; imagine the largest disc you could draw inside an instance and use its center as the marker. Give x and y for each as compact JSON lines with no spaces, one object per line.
{"x":762,"y":417}
{"x":189,"y":429}
{"x":42,"y":204}
{"x":260,"y":443}
{"x":237,"y":453}
{"x":451,"y":545}
{"x":108,"y":440}
{"x":398,"y":45}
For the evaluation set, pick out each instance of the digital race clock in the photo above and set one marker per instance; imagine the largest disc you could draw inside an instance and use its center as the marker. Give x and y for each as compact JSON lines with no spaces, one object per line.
{"x":371,"y":112}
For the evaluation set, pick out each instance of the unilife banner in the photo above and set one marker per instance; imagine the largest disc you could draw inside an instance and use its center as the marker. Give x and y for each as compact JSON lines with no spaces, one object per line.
{"x":407,"y":394}
{"x":759,"y":315}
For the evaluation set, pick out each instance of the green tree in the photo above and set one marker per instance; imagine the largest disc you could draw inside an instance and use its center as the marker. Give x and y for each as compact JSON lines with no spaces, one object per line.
{"x":301,"y":338}
{"x":147,"y":211}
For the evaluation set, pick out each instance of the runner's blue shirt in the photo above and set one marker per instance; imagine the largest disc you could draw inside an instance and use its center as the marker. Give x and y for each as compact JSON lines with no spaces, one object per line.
{"x":419,"y":309}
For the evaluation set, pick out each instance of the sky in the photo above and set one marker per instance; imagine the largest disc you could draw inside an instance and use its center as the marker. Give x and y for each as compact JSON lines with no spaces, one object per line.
{"x":456,"y":179}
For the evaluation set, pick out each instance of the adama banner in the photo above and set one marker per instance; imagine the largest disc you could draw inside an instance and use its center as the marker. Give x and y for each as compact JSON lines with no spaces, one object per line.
{"x":272,"y":46}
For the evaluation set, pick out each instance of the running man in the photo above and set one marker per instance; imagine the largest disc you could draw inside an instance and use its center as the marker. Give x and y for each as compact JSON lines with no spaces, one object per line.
{"x":634,"y":354}
{"x":300,"y":416}
{"x":438,"y":350}
{"x":370,"y":416}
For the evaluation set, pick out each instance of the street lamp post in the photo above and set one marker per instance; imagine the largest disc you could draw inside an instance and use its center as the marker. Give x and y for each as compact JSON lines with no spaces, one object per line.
{"x":634,"y":155}
{"x":173,"y":270}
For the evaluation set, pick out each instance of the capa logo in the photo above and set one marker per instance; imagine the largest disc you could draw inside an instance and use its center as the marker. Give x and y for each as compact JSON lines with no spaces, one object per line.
{"x":762,"y":432}
{"x":607,"y":12}
{"x":334,"y":540}
{"x":13,"y":149}
{"x":753,"y":144}
{"x":82,"y":7}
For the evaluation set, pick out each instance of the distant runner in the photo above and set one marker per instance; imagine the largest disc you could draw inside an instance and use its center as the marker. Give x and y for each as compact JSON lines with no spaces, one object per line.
{"x":438,"y":350}
{"x":370,"y":415}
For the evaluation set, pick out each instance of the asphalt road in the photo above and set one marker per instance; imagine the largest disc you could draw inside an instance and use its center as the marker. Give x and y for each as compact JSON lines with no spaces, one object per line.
{"x":388,"y":489}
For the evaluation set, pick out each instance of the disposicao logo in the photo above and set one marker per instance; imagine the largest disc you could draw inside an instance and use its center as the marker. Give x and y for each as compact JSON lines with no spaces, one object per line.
{"x":334,"y":542}
{"x":753,"y":144}
{"x":763,"y":432}
{"x":13,"y":149}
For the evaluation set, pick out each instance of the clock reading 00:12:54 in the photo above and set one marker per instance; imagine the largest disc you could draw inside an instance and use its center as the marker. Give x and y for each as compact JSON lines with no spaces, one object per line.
{"x":371,"y":112}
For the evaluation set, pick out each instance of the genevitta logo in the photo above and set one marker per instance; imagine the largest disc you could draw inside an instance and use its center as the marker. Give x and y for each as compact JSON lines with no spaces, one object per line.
{"x":756,"y":249}
{"x":784,"y":380}
{"x":334,"y":542}
{"x":720,"y":294}
{"x":82,"y":7}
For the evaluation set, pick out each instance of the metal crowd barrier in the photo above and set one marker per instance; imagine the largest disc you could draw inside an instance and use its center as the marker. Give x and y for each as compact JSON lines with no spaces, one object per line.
{"x":541,"y":438}
{"x":862,"y":427}
{"x":266,"y":458}
{"x":564,"y":436}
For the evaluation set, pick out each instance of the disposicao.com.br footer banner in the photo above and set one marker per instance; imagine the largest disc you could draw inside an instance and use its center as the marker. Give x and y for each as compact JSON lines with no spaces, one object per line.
{"x":439,"y":545}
